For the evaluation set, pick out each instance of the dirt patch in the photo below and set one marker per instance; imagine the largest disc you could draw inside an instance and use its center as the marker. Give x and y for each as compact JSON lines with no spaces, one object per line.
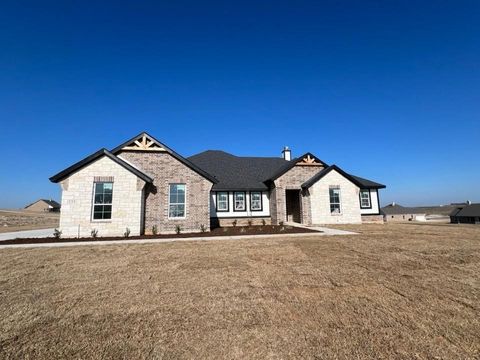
{"x":393,"y":292}
{"x":224,"y":231}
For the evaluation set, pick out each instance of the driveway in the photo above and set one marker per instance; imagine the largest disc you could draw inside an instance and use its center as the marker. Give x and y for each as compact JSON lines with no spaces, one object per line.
{"x":40,"y":233}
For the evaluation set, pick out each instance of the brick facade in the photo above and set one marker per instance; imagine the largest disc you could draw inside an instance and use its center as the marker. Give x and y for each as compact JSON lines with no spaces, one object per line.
{"x":243,"y":221}
{"x":292,"y":180}
{"x":165,"y":170}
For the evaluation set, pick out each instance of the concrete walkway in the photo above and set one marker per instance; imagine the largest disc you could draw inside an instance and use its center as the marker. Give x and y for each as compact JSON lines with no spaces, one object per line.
{"x":326,"y":232}
{"x":39,"y":233}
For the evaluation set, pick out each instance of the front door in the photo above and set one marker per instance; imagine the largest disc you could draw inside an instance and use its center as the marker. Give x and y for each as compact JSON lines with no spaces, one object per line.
{"x":293,"y":205}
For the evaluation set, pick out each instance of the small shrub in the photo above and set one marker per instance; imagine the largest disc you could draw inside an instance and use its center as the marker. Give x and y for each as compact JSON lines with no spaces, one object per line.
{"x":242,"y":230}
{"x":282,"y":228}
{"x":57,"y":234}
{"x":126,"y":233}
{"x":234,"y":223}
{"x":94,"y":233}
{"x":154,"y":230}
{"x":203,"y":228}
{"x":178,"y":229}
{"x":280,"y":223}
{"x":264,"y":222}
{"x":249,"y":222}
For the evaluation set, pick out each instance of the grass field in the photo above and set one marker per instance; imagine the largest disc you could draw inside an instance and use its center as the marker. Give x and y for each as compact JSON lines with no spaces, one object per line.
{"x":394,"y":291}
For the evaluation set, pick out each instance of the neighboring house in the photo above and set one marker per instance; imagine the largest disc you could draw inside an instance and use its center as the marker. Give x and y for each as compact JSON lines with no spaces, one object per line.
{"x":468,"y":214}
{"x":395,"y":212}
{"x":43,"y":205}
{"x":143,"y":184}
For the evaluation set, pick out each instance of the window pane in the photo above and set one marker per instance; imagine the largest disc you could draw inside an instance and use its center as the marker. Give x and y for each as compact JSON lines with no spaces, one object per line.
{"x":108,"y":187}
{"x":177,"y":200}
{"x":107,"y":198}
{"x":99,"y":188}
{"x":181,"y":198}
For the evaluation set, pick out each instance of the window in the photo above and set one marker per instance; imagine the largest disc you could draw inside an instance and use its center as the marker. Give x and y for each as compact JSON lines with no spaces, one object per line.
{"x":256,"y":201}
{"x":239,"y":201}
{"x":222,"y":201}
{"x":335,"y":200}
{"x":176,"y":198}
{"x":102,"y":200}
{"x":365,"y":201}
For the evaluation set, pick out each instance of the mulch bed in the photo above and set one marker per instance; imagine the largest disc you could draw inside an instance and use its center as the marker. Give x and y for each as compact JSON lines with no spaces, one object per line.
{"x":221,"y":231}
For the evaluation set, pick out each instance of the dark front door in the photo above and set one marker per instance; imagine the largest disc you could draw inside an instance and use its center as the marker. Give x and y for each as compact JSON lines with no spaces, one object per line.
{"x":293,"y":205}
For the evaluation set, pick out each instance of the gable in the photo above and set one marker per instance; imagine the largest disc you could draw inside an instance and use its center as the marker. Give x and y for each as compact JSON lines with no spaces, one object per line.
{"x":145,"y":143}
{"x":93,"y":158}
{"x":334,"y":177}
{"x":142,"y":142}
{"x":307,"y":159}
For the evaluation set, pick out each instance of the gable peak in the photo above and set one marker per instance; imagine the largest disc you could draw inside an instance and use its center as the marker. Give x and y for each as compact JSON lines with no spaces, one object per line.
{"x":143,"y":142}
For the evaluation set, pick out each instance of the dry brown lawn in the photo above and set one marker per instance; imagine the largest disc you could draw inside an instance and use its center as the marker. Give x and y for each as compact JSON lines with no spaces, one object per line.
{"x":16,"y":220}
{"x":395,"y":291}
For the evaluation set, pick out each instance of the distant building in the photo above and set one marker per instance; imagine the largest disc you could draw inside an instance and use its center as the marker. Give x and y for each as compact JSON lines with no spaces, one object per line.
{"x":395,"y":212}
{"x":468,"y":214}
{"x":44,"y":205}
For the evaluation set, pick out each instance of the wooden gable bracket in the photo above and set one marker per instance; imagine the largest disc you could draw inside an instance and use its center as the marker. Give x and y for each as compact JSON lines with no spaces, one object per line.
{"x":144,"y":144}
{"x":309,"y":161}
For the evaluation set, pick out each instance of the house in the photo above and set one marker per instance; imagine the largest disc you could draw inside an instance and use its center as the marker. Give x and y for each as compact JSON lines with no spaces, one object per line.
{"x":468,"y":214}
{"x":396,"y":212}
{"x":143,"y":185}
{"x":43,"y":205}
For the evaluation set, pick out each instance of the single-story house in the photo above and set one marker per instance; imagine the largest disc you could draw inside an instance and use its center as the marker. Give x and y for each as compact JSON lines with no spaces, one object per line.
{"x":43,"y":205}
{"x":396,"y":212}
{"x":143,"y":185}
{"x":468,"y":214}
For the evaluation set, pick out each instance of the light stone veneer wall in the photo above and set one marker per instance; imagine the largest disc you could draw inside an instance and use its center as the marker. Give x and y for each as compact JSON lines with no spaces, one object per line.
{"x":77,"y":196}
{"x":320,"y":200}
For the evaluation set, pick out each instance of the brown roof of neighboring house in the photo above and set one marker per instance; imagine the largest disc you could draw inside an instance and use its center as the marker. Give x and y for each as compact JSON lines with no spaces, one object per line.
{"x":50,"y":202}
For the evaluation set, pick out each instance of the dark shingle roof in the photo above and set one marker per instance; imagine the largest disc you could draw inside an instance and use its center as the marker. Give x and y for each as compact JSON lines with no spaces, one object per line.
{"x":253,"y":173}
{"x":395,"y":209}
{"x":235,"y":172}
{"x":368,"y":184}
{"x":52,"y":203}
{"x":360,"y":182}
{"x":472,"y":210}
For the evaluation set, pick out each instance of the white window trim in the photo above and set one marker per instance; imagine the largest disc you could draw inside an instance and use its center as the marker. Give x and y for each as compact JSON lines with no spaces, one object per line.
{"x":244,"y":208}
{"x":185,"y":203}
{"x":339,"y":201}
{"x":217,"y":195}
{"x":369,"y":197}
{"x":93,"y":204}
{"x":260,"y":200}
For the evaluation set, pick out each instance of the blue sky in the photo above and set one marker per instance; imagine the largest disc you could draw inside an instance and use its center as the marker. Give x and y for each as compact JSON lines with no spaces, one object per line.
{"x":388,"y":90}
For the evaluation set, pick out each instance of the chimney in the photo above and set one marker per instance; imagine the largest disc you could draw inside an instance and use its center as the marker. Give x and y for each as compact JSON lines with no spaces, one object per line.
{"x":287,"y":154}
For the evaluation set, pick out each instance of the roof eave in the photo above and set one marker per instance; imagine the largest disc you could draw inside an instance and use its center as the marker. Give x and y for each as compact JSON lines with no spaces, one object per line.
{"x":95,"y":156}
